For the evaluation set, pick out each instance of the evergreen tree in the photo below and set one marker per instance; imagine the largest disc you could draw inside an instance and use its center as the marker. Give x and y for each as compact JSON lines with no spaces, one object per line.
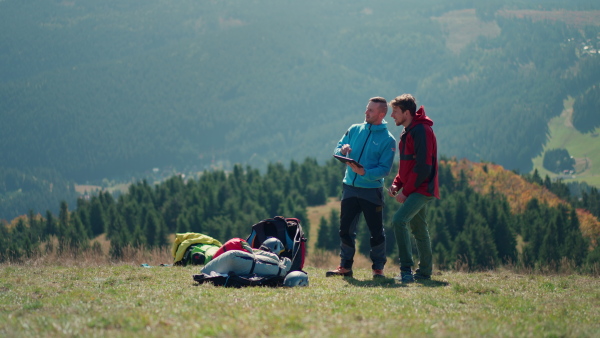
{"x":83,"y":210}
{"x":172,"y":210}
{"x":138,"y":238}
{"x":481,"y":242}
{"x":64,"y":227}
{"x":593,"y":257}
{"x":548,"y":254}
{"x":440,"y":238}
{"x":322,"y":236}
{"x":78,"y":238}
{"x":461,"y":213}
{"x":117,"y":227}
{"x":505,"y":240}
{"x":575,"y":245}
{"x":536,"y":178}
{"x":4,"y":242}
{"x":152,"y":229}
{"x":461,"y":251}
{"x":35,"y":227}
{"x":183,"y":225}
{"x":441,"y":256}
{"x":118,"y":243}
{"x":51,"y":226}
{"x":334,"y":230}
{"x":97,"y":217}
{"x":63,"y":216}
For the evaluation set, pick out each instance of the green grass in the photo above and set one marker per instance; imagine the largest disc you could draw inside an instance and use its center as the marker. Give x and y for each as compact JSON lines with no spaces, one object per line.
{"x":580,"y":146}
{"x":126,"y":300}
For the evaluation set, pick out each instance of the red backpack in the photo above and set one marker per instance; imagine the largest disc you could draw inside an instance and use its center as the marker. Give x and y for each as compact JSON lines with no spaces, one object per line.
{"x":288,"y":231}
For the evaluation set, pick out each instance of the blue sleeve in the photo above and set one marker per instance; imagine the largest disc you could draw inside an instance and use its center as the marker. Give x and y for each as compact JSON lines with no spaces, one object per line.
{"x":344,"y":140}
{"x":384,"y":166}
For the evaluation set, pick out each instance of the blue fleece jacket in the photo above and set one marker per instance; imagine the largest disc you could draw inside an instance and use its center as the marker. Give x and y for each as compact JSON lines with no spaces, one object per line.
{"x":374,"y":147}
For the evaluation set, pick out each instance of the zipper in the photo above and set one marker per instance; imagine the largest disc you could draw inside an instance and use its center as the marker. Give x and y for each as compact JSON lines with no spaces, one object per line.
{"x":361,"y":153}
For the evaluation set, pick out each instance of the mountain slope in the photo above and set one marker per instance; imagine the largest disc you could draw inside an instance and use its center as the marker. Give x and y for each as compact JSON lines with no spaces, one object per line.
{"x":489,"y":178}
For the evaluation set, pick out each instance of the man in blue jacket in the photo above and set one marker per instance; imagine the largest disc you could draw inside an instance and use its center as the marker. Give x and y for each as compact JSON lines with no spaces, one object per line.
{"x":373,"y":147}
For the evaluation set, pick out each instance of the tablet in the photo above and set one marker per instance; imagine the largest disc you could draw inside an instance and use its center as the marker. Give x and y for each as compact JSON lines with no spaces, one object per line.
{"x":347,"y":160}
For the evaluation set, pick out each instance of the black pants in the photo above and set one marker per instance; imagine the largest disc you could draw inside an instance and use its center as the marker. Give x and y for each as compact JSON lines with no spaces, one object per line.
{"x":350,"y":213}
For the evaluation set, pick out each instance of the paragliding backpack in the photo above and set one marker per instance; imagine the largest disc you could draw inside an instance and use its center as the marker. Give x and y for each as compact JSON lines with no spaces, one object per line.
{"x":288,"y":231}
{"x":236,"y":281}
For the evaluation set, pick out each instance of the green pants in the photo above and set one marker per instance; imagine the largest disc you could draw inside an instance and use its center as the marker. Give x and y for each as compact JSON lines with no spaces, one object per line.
{"x":412,"y":213}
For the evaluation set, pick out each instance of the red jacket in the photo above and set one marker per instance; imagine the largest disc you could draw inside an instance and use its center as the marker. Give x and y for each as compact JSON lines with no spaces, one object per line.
{"x":418,"y":170}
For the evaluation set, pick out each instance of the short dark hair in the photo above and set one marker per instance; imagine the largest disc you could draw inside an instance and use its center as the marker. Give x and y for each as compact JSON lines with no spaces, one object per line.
{"x":405,"y":102}
{"x":379,"y":99}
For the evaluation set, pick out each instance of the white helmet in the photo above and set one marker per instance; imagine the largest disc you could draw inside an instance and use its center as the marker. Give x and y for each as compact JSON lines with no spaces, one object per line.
{"x":273,"y":245}
{"x":296,"y":278}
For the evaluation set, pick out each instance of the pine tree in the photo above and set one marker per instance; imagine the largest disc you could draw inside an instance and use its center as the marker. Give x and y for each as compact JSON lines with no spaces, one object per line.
{"x":505,"y":240}
{"x":78,"y":238}
{"x":51,"y":227}
{"x":461,"y":213}
{"x":481,"y":241}
{"x":535,"y":178}
{"x":334,"y":230}
{"x":97,"y":217}
{"x":154,"y":230}
{"x":4,"y":242}
{"x":138,"y":238}
{"x":322,"y":236}
{"x":575,"y":245}
{"x":441,"y":256}
{"x":118,"y":243}
{"x":63,"y":215}
{"x":117,"y":226}
{"x":549,"y":253}
{"x":183,"y":225}
{"x":440,"y":238}
{"x":36,"y":233}
{"x":21,"y":241}
{"x":461,"y":251}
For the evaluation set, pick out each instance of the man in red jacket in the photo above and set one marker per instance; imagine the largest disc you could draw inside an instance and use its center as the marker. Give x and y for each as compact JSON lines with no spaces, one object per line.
{"x":415,"y":185}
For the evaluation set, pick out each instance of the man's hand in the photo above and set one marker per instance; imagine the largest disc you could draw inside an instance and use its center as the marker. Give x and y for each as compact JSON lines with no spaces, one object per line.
{"x":345,"y":150}
{"x":358,"y":170}
{"x":400,"y":197}
{"x":393,"y":190}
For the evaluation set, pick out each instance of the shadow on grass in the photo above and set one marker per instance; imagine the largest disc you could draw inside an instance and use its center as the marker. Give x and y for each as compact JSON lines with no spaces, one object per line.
{"x":392,"y":283}
{"x":432,"y":283}
{"x":382,"y":282}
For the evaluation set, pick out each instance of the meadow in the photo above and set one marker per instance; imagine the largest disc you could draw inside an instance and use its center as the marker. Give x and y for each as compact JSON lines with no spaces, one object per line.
{"x":584,"y":148}
{"x":88,"y":296}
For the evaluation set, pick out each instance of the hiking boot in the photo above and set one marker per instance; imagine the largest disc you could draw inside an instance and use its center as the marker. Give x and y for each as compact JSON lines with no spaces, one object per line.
{"x":421,"y":276}
{"x":405,"y":277}
{"x":340,"y":271}
{"x":378,"y":274}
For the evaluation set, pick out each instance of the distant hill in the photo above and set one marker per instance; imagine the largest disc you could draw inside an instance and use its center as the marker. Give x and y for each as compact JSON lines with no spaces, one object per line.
{"x":486,"y":178}
{"x":112,"y":89}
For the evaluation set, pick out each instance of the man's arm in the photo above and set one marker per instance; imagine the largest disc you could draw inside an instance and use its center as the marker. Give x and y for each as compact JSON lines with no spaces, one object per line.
{"x":421,"y":169}
{"x":344,"y":142}
{"x":386,"y":160}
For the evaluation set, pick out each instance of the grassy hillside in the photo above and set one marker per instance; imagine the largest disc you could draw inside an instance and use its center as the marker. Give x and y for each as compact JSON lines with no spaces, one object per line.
{"x":585,"y":148}
{"x":50,"y":300}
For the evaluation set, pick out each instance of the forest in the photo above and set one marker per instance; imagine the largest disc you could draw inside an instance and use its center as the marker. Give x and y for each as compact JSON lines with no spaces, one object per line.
{"x":111,"y":89}
{"x":470,"y":229}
